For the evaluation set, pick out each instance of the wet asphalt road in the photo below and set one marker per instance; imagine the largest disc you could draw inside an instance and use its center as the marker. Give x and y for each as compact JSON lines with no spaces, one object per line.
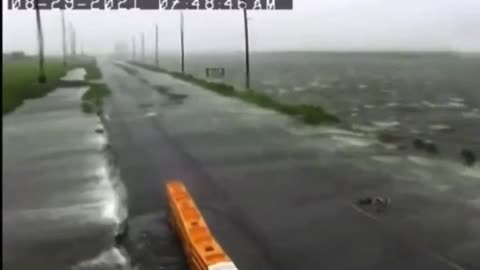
{"x":272,"y":201}
{"x":61,"y":200}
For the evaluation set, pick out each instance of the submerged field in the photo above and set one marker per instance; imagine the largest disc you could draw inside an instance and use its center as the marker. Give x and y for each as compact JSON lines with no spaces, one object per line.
{"x":433,"y":96}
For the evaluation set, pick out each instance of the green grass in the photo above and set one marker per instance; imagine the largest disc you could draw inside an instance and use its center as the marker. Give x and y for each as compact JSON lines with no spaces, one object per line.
{"x":19,"y":79}
{"x":91,"y":67}
{"x":92,"y":100}
{"x":309,"y":114}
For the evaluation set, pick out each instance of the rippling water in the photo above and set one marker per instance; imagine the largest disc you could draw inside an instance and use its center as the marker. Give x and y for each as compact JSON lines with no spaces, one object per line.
{"x":433,"y":96}
{"x":62,"y":198}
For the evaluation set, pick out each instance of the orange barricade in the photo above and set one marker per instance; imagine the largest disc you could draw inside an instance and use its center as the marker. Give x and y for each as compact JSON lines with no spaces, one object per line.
{"x":200,"y":247}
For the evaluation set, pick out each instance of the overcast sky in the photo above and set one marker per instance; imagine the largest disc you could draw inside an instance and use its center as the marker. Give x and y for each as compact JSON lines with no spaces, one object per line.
{"x":311,"y":25}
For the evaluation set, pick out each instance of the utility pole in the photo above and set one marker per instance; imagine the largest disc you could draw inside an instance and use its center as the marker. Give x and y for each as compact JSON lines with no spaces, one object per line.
{"x":143,"y":47}
{"x":64,"y":39}
{"x":182,"y":42}
{"x":247,"y":53}
{"x":42,"y":78}
{"x":133,"y":49}
{"x":73,"y":40}
{"x":156,"y":45}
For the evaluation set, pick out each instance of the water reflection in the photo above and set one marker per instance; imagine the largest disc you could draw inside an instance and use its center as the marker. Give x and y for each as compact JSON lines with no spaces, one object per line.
{"x":63,"y":200}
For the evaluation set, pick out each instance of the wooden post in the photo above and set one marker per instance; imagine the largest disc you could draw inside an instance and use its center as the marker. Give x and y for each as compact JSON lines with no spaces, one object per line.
{"x":143,"y":47}
{"x":182,"y":42}
{"x":156,"y":45}
{"x":41,"y":57}
{"x":64,"y":39}
{"x":73,"y":40}
{"x":133,"y":49}
{"x":247,"y":53}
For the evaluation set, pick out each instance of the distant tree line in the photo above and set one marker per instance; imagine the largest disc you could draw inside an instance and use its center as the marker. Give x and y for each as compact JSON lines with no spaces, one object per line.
{"x":15,"y":55}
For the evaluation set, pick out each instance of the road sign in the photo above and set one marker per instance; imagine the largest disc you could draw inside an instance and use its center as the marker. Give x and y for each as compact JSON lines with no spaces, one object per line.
{"x":215,"y":73}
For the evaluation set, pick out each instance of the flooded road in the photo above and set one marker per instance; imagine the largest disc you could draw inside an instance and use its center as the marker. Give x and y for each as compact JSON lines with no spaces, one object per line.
{"x":278,"y":194}
{"x":62,"y":198}
{"x":431,"y":96}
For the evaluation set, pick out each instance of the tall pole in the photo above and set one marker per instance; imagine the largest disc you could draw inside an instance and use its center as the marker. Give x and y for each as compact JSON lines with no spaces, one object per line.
{"x":143,"y":47}
{"x":156,"y":45}
{"x":64,"y":39}
{"x":133,"y":49}
{"x":247,"y":53}
{"x":41,"y":57}
{"x":73,"y":41}
{"x":182,"y":42}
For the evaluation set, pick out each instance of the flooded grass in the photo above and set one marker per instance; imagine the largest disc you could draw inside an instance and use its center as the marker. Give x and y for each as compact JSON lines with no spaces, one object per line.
{"x":92,"y":100}
{"x":310,"y":114}
{"x":19,"y":79}
{"x":93,"y":72}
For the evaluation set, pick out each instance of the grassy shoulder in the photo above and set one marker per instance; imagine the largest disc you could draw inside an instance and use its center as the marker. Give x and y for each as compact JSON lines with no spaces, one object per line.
{"x":19,"y":79}
{"x":93,"y":98}
{"x":312,"y":115}
{"x":91,"y":67}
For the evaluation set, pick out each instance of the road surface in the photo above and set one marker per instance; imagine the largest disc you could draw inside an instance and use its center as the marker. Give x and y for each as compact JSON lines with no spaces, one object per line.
{"x":272,"y":198}
{"x":60,"y":194}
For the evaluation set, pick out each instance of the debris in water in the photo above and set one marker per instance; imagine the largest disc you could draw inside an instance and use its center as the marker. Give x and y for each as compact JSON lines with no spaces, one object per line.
{"x":379,"y":203}
{"x":122,"y":235}
{"x":99,"y":130}
{"x":419,"y":144}
{"x":365,"y":201}
{"x":468,"y":156}
{"x":386,"y":137}
{"x":431,"y":147}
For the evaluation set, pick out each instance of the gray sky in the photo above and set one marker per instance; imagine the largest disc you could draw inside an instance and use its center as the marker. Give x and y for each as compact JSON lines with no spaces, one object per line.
{"x":311,"y":25}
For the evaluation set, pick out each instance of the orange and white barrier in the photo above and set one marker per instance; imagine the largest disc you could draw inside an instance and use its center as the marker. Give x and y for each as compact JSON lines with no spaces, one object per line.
{"x":200,"y":247}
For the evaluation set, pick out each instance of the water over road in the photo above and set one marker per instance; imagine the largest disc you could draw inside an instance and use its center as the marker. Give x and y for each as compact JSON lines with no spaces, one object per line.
{"x":277,"y":194}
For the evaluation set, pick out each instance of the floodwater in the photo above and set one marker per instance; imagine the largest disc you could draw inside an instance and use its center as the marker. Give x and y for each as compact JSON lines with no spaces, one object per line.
{"x":62,"y":191}
{"x":62,"y":198}
{"x":293,"y":182}
{"x":431,"y":96}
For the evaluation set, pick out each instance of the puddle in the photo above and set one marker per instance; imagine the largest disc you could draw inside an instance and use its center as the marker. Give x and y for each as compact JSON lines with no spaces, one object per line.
{"x":77,"y":74}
